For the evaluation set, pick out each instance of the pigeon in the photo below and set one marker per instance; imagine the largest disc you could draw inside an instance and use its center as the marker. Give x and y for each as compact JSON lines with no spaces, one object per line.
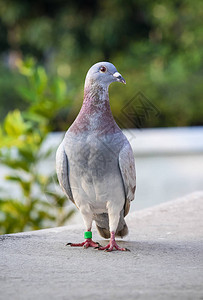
{"x":95,"y":162}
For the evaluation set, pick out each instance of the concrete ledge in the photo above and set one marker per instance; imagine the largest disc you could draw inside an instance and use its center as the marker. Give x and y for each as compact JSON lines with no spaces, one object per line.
{"x":165,"y":262}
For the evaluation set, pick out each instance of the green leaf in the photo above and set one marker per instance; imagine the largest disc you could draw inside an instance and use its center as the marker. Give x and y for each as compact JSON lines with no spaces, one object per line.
{"x":13,"y":178}
{"x":27,"y":154}
{"x":27,"y":93}
{"x":26,"y":67}
{"x":32,"y":116}
{"x":16,"y":164}
{"x":40,"y":80}
{"x":59,"y":89}
{"x":14,"y":124}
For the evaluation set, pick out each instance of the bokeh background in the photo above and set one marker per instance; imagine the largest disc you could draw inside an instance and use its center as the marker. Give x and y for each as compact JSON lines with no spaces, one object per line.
{"x":46,"y":48}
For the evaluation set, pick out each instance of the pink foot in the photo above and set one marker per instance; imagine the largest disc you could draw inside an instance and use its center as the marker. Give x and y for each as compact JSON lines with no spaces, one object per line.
{"x":112,"y":244}
{"x":86,"y":244}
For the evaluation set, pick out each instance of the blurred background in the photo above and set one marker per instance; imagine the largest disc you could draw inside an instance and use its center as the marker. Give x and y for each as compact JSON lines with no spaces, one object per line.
{"x":46,"y":48}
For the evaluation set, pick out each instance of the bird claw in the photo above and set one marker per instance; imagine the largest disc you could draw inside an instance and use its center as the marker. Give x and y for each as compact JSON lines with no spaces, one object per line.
{"x":86,"y":244}
{"x":75,"y":245}
{"x":108,"y":250}
{"x":126,"y":249}
{"x":110,"y":247}
{"x":97,"y":248}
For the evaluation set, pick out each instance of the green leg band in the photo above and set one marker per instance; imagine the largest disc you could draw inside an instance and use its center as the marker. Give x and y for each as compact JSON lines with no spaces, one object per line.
{"x":88,"y":234}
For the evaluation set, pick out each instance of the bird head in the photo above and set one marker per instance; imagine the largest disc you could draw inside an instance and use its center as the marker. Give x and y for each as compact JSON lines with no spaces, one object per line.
{"x":103,"y":74}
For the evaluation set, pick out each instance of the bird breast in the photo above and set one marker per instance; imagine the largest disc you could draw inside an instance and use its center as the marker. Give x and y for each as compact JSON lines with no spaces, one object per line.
{"x":94,"y":172}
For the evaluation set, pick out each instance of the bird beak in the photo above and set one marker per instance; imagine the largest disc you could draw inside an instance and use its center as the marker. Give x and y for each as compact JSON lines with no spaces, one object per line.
{"x":119,"y":77}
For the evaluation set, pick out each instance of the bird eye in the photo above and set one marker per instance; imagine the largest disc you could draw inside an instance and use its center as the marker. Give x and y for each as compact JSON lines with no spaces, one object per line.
{"x":103,"y":69}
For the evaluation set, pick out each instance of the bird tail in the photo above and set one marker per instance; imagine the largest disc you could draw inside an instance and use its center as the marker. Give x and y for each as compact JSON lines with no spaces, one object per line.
{"x":123,"y":232}
{"x":105,"y":233}
{"x":102,"y":223}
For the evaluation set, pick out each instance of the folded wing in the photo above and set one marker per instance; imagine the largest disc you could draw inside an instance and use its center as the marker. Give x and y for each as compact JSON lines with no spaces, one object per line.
{"x":62,"y":171}
{"x":127,"y":168}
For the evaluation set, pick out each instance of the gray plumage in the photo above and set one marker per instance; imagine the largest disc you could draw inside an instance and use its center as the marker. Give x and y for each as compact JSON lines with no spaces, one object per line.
{"x":95,"y":163}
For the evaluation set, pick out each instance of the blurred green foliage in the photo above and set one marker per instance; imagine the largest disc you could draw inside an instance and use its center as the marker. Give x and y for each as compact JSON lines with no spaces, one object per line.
{"x":36,"y":202}
{"x":156,"y":45}
{"x":46,"y":49}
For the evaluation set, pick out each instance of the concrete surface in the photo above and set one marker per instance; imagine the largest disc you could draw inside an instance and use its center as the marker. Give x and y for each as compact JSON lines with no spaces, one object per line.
{"x":165,"y":262}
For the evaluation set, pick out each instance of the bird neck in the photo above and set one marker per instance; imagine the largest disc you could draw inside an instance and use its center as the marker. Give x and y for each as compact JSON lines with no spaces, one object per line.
{"x":96,"y":104}
{"x":96,"y":96}
{"x":95,"y":114}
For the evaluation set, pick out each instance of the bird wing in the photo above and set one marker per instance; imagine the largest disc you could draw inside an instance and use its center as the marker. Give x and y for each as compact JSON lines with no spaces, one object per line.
{"x":62,"y":171}
{"x":127,"y":168}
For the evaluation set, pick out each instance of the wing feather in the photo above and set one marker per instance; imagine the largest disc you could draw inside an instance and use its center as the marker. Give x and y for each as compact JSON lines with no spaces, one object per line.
{"x":62,"y":171}
{"x":127,"y":168}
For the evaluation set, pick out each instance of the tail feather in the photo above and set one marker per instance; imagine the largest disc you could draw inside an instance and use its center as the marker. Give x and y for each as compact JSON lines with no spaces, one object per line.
{"x":123,"y":232}
{"x":105,"y":233}
{"x":102,"y":224}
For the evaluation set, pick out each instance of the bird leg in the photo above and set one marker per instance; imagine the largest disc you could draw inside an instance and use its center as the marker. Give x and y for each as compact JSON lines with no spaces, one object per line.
{"x":112,"y":244}
{"x":87,"y":243}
